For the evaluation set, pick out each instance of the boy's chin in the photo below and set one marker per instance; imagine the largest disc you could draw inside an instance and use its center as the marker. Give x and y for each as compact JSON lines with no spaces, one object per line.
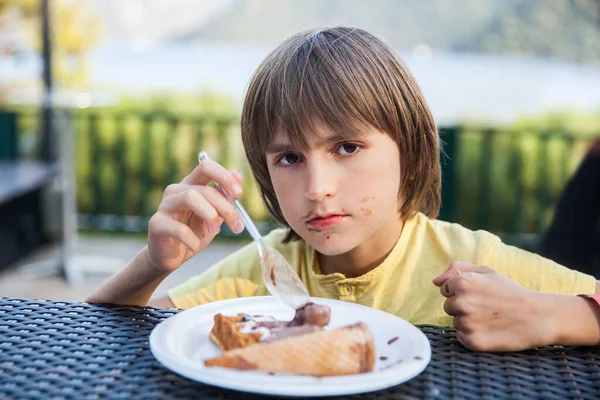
{"x":332,"y":246}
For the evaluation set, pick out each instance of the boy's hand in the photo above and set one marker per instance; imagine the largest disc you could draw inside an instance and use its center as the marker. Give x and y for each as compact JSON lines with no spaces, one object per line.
{"x":491,"y":312}
{"x":190,"y":215}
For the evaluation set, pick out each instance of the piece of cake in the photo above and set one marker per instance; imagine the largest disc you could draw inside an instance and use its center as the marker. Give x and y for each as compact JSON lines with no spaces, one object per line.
{"x":343,"y":351}
{"x":230,"y":332}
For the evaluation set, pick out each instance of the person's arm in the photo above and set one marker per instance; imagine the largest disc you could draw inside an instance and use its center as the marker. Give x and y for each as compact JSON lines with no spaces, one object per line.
{"x":133,"y":285}
{"x":187,"y":220}
{"x":493,"y":313}
{"x":576,"y":320}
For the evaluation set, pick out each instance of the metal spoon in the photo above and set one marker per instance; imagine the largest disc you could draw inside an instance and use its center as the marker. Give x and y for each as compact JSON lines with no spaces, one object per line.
{"x":280,"y":278}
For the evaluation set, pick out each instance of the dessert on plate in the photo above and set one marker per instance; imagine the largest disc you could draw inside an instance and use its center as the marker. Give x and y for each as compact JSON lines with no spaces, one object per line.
{"x":300,"y":346}
{"x":243,"y":329}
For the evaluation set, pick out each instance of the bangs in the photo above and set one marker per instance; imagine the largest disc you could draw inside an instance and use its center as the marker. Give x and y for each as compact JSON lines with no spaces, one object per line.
{"x":349,"y":81}
{"x":321,"y":82}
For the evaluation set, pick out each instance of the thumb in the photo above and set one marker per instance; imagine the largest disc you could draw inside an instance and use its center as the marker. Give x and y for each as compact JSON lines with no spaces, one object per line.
{"x":457,"y":268}
{"x":441,"y":279}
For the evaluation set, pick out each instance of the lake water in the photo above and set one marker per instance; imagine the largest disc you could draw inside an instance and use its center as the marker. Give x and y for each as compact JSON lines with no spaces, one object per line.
{"x":457,"y":86}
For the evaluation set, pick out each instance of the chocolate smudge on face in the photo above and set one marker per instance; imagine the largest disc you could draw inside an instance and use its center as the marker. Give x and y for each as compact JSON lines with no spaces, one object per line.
{"x":368,"y":198}
{"x":392,"y":340}
{"x":366,"y":211}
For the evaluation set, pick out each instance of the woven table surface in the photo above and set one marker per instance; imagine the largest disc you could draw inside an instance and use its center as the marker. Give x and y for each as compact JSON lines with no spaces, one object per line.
{"x":63,"y":350}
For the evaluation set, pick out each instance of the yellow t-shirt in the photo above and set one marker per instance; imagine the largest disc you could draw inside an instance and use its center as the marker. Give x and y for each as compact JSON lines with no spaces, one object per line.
{"x":401,"y":285}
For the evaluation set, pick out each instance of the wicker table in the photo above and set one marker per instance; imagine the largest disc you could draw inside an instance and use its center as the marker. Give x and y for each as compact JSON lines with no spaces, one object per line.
{"x":60,"y":350}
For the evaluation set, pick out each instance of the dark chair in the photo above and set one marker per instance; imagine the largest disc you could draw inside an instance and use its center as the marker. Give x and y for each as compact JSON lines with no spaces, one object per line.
{"x":573,"y":238}
{"x":21,"y":184}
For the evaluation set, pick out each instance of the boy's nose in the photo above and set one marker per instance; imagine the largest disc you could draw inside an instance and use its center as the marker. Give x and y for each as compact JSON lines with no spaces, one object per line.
{"x":320,"y":181}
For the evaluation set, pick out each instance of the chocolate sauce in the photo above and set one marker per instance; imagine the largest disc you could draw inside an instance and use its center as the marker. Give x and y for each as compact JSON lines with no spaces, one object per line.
{"x":289,"y":331}
{"x":310,"y":318}
{"x":383,"y":358}
{"x":271,"y":324}
{"x":392,"y":340}
{"x":312,"y":314}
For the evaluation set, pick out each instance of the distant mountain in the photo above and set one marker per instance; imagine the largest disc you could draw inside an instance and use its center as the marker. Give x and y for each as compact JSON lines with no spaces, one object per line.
{"x":565,"y":29}
{"x":150,"y":22}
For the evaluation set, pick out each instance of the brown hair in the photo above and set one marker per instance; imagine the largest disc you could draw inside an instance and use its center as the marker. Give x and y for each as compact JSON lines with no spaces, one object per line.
{"x":347,"y":79}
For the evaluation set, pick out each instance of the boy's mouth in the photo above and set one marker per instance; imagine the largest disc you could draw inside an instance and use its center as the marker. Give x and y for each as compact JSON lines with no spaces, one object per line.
{"x":320,"y":222}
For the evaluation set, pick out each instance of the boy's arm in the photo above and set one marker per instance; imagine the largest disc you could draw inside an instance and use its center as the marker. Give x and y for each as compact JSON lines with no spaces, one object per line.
{"x":577,"y":320}
{"x":133,"y":285}
{"x":161,"y":301}
{"x":493,"y":313}
{"x":187,"y":219}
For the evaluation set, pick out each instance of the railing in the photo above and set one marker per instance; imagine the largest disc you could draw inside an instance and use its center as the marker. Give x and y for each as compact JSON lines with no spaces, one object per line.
{"x":507,"y":181}
{"x":500,"y":180}
{"x":124,"y":162}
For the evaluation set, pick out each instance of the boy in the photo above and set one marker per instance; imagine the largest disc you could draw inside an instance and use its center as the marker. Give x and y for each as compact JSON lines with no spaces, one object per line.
{"x":346,"y":155}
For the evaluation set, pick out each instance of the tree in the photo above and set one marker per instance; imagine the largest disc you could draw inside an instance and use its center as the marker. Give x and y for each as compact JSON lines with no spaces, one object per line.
{"x":75,"y":30}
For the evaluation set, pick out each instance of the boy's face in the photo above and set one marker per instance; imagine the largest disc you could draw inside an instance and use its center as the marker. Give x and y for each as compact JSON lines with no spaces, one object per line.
{"x":338,"y":193}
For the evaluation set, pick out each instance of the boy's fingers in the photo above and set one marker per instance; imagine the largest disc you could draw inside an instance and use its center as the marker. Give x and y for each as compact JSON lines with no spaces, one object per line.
{"x":451,"y":307}
{"x":224,"y":208}
{"x":206,"y":202}
{"x":209,"y":171}
{"x":191,"y":200}
{"x":164,"y":227}
{"x":237,"y":175}
{"x":457,"y":268}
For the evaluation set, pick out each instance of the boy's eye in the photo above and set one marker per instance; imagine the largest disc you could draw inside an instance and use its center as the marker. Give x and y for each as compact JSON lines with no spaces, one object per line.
{"x":289,"y":159}
{"x":348,"y":148}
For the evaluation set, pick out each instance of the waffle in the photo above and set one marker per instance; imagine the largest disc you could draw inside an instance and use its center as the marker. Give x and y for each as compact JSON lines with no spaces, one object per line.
{"x":343,"y":351}
{"x":231,"y":332}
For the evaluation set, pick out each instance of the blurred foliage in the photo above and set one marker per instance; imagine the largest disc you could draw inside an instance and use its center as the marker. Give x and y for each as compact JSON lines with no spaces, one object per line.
{"x":207,"y":102}
{"x":75,"y":29}
{"x":585,"y":124}
{"x":126,"y":154}
{"x":507,"y":179}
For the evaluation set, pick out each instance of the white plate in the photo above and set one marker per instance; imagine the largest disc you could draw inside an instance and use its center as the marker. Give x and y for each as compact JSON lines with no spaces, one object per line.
{"x":181,"y":344}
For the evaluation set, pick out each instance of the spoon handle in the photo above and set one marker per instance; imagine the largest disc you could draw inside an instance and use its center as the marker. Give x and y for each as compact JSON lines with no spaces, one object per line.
{"x":248,"y":223}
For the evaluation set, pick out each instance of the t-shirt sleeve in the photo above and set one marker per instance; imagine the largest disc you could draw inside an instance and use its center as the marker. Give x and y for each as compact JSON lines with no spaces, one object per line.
{"x":237,"y":275}
{"x":535,"y":272}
